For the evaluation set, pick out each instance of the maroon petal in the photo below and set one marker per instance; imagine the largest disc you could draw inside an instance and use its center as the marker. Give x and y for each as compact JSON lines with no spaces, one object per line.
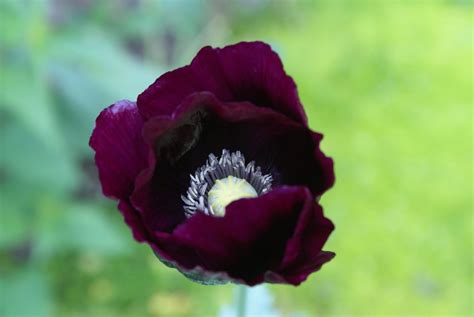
{"x":327,"y":177}
{"x":303,"y":253}
{"x":301,"y":273}
{"x":133,"y":220}
{"x":249,"y":242}
{"x":247,"y":71}
{"x":120,"y":152}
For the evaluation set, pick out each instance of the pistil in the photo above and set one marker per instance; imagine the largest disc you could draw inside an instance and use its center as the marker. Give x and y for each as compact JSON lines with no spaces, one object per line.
{"x":223,"y":180}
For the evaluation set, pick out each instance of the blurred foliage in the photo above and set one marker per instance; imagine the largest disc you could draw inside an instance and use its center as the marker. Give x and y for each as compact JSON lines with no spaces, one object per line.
{"x":390,"y":83}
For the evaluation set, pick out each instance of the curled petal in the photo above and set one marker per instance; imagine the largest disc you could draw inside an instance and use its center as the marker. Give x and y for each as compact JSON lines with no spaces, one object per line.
{"x":303,"y":253}
{"x":247,"y":71}
{"x":120,"y":151}
{"x":133,"y":220}
{"x":249,"y":243}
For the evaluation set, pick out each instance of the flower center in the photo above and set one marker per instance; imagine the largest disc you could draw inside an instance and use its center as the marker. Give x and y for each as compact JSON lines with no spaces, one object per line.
{"x":227,"y":190}
{"x":221,"y":181}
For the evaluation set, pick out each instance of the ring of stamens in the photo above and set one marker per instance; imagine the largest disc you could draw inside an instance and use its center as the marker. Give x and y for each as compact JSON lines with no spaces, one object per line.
{"x":229,"y":168}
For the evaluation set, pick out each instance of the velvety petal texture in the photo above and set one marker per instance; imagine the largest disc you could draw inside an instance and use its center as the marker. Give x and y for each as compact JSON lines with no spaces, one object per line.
{"x":120,"y":155}
{"x":255,"y":239}
{"x":236,"y":98}
{"x":120,"y":151}
{"x":247,"y":71}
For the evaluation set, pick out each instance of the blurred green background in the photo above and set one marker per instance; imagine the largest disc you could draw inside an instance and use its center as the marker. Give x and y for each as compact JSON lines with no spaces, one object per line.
{"x":389,"y":83}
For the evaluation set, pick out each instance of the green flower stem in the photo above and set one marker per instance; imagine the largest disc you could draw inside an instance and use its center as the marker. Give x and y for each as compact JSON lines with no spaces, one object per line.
{"x":241,"y":300}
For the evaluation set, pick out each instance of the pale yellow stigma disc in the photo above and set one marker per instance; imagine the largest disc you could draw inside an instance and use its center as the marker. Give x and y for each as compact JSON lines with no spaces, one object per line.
{"x":227,"y":190}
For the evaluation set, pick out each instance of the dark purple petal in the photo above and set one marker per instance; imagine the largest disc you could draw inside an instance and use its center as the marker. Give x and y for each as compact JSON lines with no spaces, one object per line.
{"x":203,"y":125}
{"x":303,"y":253}
{"x":249,"y":242}
{"x":247,"y":71}
{"x":300,"y":274}
{"x":133,"y":220}
{"x":120,"y":152}
{"x":157,"y":200}
{"x":327,"y":176}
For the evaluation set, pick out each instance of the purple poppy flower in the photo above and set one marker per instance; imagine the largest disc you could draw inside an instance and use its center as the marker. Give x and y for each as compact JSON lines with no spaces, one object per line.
{"x":216,"y":169}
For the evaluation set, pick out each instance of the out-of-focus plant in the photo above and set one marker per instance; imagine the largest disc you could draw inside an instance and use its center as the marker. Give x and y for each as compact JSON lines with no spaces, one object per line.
{"x":56,"y":61}
{"x":54,"y":77}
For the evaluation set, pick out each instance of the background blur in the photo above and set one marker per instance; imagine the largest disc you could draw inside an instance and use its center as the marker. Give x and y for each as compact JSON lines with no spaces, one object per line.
{"x":389,"y":83}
